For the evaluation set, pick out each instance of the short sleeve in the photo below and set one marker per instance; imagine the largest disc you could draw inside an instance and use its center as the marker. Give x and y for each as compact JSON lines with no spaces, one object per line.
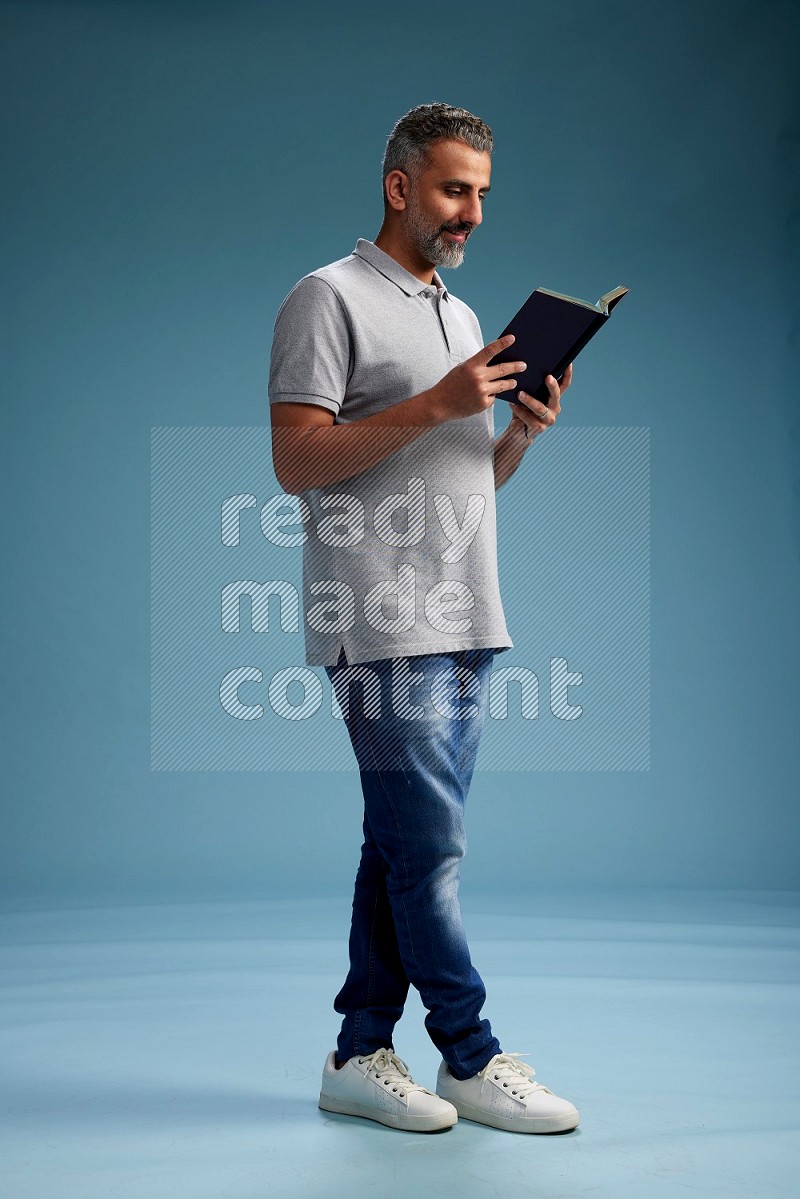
{"x":311,"y":347}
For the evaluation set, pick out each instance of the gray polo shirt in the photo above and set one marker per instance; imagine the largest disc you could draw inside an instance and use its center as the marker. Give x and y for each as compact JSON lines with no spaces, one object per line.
{"x":400,"y":559}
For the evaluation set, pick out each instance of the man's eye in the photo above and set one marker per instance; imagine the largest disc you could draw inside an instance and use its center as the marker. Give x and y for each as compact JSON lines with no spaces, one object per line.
{"x":456,"y":191}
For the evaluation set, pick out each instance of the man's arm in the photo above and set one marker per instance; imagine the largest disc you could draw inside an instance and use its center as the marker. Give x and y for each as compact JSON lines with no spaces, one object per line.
{"x":529,"y":419}
{"x":309,"y":450}
{"x":509,"y":449}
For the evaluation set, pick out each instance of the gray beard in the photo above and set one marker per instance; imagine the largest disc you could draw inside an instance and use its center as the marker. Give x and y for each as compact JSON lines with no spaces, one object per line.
{"x":430,"y":242}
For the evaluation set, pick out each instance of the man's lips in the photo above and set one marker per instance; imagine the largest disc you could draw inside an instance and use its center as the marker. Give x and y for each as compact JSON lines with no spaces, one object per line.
{"x":459,"y":237}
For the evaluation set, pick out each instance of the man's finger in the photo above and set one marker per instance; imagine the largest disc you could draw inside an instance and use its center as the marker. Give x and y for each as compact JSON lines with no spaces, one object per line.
{"x":507,"y":368}
{"x":536,"y":407}
{"x":523,"y":402}
{"x":494,"y":347}
{"x":521,"y":410}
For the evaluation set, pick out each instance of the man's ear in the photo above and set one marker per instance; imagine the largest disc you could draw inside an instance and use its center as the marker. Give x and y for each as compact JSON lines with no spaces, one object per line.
{"x":396,"y":187}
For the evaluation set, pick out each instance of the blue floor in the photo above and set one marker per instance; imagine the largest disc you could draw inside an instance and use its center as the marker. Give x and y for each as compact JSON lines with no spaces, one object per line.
{"x":175,"y":1049}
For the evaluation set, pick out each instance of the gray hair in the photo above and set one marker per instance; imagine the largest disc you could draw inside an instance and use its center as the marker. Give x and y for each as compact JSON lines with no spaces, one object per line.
{"x":407,"y":147}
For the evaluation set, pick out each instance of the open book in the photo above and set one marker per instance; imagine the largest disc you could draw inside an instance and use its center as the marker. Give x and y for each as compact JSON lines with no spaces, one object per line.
{"x":550,"y":330}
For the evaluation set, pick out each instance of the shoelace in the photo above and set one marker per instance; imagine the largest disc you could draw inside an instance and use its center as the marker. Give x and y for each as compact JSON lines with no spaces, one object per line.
{"x":513,"y":1074}
{"x":392,"y":1071}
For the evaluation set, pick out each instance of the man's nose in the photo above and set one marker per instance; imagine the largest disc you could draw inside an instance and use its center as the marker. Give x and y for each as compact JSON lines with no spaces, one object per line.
{"x":471,"y":213}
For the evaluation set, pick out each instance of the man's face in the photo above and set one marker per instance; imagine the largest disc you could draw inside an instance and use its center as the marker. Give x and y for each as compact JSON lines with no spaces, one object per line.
{"x":445,"y":200}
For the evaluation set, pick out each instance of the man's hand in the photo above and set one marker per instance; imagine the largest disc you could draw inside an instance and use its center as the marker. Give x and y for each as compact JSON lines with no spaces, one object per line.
{"x":535,"y":417}
{"x":472,"y":385}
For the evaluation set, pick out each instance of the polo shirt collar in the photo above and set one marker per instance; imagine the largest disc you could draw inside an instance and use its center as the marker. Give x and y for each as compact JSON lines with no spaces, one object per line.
{"x":392,"y":269}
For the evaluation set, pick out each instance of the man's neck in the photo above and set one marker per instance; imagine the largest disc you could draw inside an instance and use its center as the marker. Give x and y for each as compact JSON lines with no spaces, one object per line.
{"x":403,"y":254}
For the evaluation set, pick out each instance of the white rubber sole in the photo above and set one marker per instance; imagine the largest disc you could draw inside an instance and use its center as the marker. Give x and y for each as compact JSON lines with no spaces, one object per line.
{"x":541,"y":1124}
{"x":406,"y":1123}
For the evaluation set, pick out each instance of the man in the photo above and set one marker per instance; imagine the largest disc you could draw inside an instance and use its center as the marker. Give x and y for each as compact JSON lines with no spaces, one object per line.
{"x":382,"y":404}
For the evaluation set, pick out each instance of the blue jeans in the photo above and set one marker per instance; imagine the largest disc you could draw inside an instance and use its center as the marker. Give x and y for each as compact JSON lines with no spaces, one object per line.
{"x":416,"y":757}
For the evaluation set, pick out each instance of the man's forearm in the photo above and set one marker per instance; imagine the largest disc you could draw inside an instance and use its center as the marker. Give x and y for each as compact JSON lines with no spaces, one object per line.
{"x":509,"y":449}
{"x":318,"y":457}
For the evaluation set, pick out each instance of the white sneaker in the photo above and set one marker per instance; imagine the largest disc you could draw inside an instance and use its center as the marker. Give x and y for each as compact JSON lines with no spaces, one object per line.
{"x":379,"y":1087}
{"x":504,"y":1095}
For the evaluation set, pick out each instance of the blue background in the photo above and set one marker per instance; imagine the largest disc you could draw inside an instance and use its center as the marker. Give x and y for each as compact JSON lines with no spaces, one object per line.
{"x":172,"y":170}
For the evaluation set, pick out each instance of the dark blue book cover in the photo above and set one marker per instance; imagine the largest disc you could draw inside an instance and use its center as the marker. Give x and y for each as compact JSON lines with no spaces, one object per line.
{"x":549,"y":331}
